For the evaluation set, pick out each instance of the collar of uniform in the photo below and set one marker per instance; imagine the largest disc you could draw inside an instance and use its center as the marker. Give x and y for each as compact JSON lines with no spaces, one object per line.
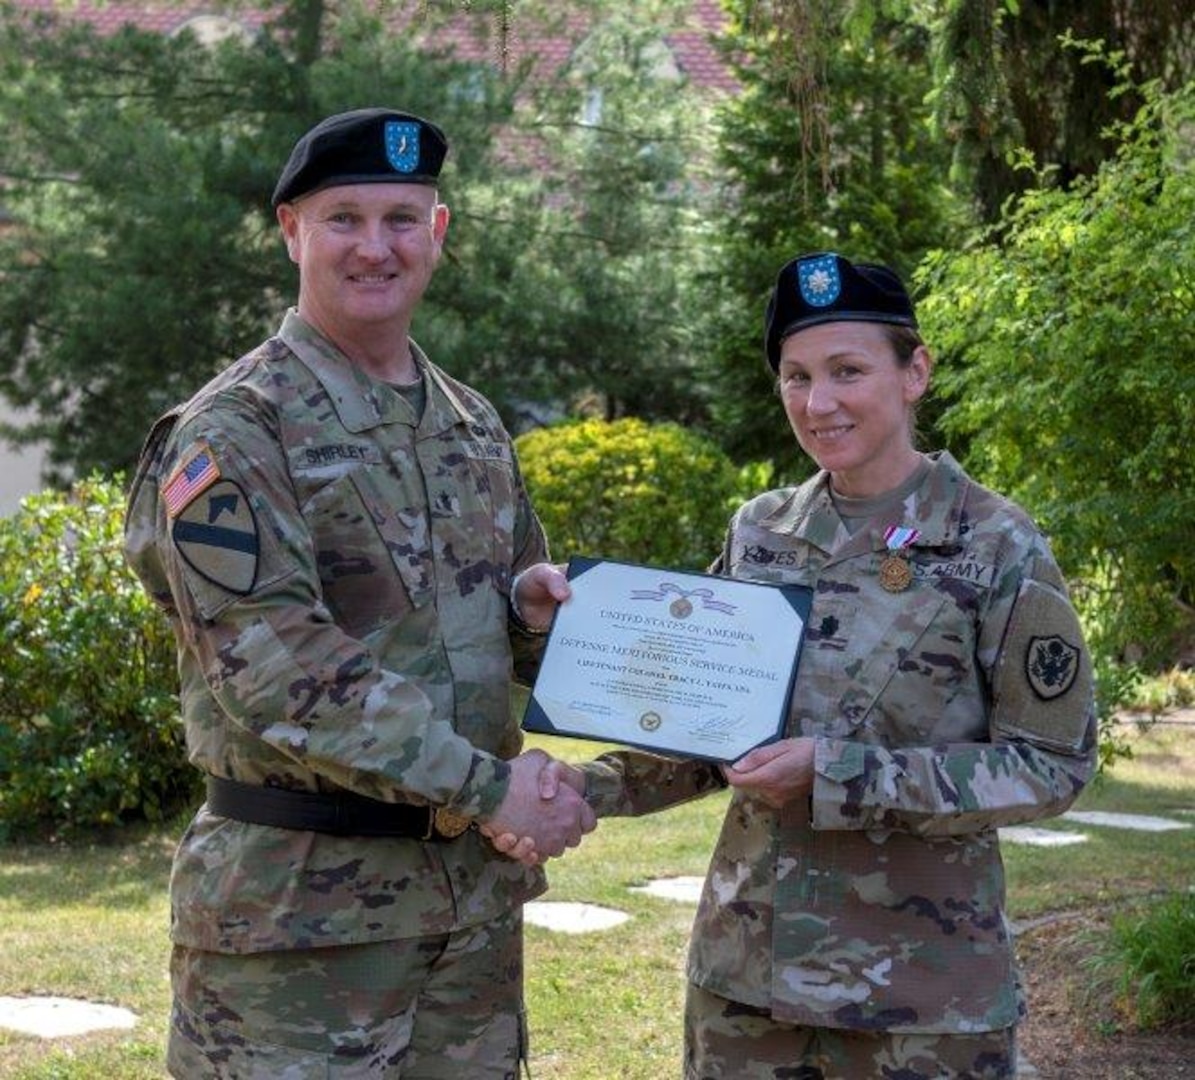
{"x":809,"y":512}
{"x":354,"y":395}
{"x":940,"y":503}
{"x":437,"y":377}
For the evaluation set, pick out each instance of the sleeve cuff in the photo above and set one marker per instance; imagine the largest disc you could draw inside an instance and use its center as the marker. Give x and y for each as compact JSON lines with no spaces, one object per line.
{"x":835,"y":764}
{"x":603,"y":788}
{"x":516,"y":616}
{"x":485,"y":787}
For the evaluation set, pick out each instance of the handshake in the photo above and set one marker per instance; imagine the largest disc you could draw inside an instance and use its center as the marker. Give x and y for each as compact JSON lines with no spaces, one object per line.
{"x":544,"y":811}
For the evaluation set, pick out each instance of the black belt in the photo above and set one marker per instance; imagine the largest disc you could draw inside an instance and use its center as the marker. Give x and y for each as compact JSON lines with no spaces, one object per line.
{"x":340,"y":813}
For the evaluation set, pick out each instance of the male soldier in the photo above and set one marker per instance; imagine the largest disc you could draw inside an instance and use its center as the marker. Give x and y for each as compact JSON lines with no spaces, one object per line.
{"x":341,"y":538}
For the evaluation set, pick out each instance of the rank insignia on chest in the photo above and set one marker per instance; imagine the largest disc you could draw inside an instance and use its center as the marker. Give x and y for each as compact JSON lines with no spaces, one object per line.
{"x":896,"y":574}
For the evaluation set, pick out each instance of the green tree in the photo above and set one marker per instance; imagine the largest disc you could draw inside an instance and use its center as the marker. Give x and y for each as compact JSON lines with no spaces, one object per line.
{"x":1009,"y":79}
{"x":828,"y":147}
{"x":578,"y":283}
{"x":1067,"y":362}
{"x":1006,"y":77}
{"x":144,"y":255}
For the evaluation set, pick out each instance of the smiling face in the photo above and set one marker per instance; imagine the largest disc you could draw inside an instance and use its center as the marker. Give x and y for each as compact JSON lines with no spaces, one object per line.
{"x":365,"y":253}
{"x":849,"y":401}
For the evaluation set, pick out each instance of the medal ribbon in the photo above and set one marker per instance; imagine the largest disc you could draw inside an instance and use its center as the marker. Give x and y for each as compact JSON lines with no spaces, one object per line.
{"x":898,"y":537}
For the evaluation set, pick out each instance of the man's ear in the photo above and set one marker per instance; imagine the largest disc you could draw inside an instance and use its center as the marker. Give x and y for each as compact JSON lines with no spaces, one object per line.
{"x":440,"y":219}
{"x":288,"y":221}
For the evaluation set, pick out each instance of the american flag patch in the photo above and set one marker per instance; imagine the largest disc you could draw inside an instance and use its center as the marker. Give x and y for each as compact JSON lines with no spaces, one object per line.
{"x":198,"y":473}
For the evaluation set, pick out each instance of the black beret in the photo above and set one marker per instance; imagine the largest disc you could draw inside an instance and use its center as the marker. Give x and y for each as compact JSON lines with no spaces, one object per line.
{"x":825,"y":287}
{"x":365,"y":146}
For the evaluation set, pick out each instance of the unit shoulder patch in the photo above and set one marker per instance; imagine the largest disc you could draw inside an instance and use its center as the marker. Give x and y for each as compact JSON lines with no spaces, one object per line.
{"x":1051,"y":664}
{"x":1042,"y":686}
{"x":216,"y":535}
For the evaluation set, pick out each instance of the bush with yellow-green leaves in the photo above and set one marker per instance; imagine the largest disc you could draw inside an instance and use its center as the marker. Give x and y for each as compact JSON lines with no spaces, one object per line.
{"x":89,"y":727}
{"x":624,"y":489}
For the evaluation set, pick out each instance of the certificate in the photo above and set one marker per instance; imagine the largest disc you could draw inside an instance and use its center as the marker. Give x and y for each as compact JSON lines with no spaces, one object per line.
{"x":685,"y":664}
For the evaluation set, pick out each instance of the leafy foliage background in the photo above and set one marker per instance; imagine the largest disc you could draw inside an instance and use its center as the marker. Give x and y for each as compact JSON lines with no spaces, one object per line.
{"x":89,"y":728}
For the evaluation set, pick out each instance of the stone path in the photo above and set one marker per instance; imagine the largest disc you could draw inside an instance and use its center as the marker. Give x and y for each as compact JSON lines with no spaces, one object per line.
{"x":56,"y":1017}
{"x":571,"y":918}
{"x":1044,"y":836}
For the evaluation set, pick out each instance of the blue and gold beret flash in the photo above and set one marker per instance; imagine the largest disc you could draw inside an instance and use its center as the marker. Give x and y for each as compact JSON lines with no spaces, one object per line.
{"x":825,"y":287}
{"x":364,"y":146}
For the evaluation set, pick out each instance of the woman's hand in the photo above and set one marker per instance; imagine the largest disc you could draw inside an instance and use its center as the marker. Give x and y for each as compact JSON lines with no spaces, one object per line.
{"x":537,"y":592}
{"x":776,"y":773}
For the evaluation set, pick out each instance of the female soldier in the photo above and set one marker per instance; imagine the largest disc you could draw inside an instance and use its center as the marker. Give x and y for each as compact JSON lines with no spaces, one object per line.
{"x":852,"y":923}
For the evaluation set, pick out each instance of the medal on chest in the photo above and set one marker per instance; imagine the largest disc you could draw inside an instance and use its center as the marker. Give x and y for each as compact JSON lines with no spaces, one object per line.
{"x":895,"y":572}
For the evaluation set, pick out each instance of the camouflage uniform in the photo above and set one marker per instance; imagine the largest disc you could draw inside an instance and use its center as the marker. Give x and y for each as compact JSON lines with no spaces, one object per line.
{"x":939,"y":713}
{"x":337,"y":574}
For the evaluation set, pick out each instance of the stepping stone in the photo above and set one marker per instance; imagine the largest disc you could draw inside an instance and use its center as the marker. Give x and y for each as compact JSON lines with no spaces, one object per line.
{"x":686,"y":890}
{"x":571,"y":918}
{"x":1034,"y":837}
{"x":1143,"y":822}
{"x":54,"y":1017}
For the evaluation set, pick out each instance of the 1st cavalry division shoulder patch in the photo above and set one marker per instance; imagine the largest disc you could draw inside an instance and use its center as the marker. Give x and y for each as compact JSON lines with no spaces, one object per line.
{"x":216,"y":534}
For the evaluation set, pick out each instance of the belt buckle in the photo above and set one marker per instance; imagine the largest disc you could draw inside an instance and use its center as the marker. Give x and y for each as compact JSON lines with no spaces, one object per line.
{"x":447,"y":823}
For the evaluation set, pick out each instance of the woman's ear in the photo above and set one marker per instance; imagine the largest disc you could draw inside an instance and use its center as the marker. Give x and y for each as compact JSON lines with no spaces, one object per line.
{"x":917,"y":373}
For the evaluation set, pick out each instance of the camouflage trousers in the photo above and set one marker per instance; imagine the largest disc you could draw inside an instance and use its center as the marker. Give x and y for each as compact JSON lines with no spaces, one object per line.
{"x":725,"y":1040}
{"x":419,"y":1009}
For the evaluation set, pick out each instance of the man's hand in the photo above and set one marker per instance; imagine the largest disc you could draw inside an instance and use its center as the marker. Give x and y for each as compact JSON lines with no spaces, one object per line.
{"x":538,"y":590}
{"x":776,"y":773}
{"x":543,"y":812}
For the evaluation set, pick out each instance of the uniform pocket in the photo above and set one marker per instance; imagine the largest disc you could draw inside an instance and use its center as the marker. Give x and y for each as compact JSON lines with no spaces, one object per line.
{"x":370,"y":556}
{"x":471,"y":494}
{"x":199,"y":1047}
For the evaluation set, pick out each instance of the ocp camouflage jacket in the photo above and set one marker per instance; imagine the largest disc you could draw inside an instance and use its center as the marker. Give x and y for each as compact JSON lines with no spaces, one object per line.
{"x":337,"y":575}
{"x":940,"y":713}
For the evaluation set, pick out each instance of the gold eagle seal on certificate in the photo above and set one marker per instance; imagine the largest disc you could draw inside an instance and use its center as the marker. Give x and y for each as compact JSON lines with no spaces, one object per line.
{"x":650,"y":721}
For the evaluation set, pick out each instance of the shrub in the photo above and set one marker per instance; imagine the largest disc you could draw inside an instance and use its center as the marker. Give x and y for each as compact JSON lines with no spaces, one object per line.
{"x":624,"y":489}
{"x":89,"y":728}
{"x":1173,"y":689}
{"x":1068,"y":368}
{"x":1148,"y":962}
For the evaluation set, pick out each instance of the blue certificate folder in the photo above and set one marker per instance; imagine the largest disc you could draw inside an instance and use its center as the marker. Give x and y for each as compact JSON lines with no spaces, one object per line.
{"x":680,"y":663}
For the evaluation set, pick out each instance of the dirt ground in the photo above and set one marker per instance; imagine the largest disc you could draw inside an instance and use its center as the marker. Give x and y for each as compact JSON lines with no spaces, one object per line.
{"x":1073,"y":1033}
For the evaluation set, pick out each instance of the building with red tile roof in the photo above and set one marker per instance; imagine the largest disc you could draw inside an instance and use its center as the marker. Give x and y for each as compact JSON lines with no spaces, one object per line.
{"x":162,"y":17}
{"x":469,"y":35}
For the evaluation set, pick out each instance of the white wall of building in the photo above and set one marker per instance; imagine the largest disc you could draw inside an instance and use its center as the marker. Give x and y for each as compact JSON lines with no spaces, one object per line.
{"x":20,"y":471}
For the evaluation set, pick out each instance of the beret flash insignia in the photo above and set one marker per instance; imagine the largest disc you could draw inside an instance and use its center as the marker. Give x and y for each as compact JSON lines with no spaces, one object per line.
{"x":402,"y":145}
{"x":819,"y":280}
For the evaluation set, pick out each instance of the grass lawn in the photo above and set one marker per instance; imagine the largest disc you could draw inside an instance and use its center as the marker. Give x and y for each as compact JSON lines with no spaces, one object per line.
{"x":91,"y":922}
